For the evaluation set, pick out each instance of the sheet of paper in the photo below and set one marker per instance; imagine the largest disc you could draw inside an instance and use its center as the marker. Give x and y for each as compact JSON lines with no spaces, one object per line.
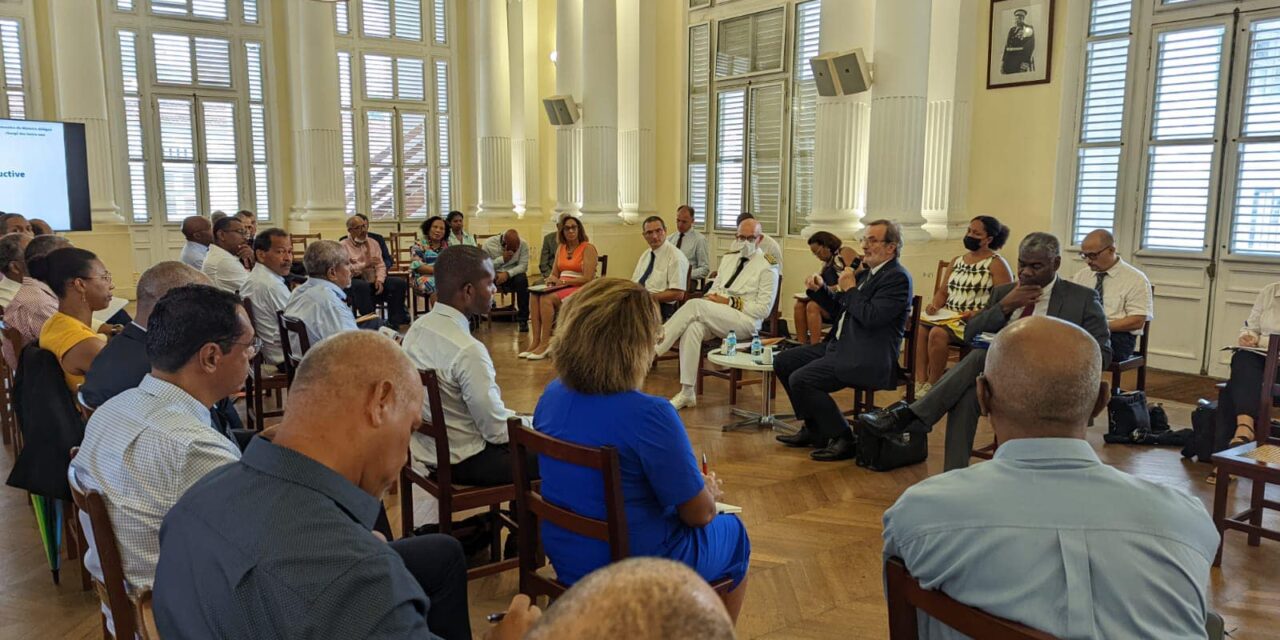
{"x":942,"y":315}
{"x":803,"y":295}
{"x":1262,"y":351}
{"x":727,"y":508}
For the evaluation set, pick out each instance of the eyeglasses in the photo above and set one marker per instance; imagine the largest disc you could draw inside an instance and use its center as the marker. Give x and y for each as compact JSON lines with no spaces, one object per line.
{"x":106,"y":275}
{"x":253,"y":347}
{"x":868,"y":241}
{"x":742,"y":238}
{"x":358,"y":227}
{"x":1093,"y":255}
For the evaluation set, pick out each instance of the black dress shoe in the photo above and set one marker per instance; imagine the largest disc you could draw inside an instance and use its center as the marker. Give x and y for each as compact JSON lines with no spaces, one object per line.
{"x":802,"y":438}
{"x":837,"y":449}
{"x":893,"y":419}
{"x":524,"y":327}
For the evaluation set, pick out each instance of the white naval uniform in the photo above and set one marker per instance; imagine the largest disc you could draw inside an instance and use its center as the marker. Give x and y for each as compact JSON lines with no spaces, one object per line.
{"x":750,"y":300}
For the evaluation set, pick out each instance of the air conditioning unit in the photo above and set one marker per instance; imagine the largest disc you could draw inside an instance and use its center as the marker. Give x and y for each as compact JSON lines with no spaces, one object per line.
{"x":561,"y":110}
{"x":841,"y":74}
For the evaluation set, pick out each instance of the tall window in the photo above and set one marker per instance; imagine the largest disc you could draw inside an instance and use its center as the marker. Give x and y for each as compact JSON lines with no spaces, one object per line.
{"x":13,"y":88}
{"x":394,"y":76}
{"x":192,"y":101}
{"x":751,"y":115}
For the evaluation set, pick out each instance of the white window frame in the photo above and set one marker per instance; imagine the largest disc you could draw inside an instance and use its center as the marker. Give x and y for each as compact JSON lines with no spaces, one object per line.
{"x":23,"y":12}
{"x":144,"y":23}
{"x":441,"y":179}
{"x":712,"y":14}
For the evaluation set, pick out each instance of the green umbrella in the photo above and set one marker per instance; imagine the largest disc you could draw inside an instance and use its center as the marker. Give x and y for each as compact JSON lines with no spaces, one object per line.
{"x":49,"y":521}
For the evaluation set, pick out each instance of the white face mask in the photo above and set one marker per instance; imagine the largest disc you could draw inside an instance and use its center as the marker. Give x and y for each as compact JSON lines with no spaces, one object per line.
{"x":745,"y":249}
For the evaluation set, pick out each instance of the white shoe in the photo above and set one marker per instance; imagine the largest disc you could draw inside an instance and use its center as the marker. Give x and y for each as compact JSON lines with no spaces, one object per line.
{"x":524,"y":354}
{"x":922,"y":388}
{"x":682,"y":400}
{"x":538,"y":356}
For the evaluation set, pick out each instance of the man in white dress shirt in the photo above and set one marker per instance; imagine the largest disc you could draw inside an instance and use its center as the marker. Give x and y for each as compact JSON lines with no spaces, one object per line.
{"x":510,"y":255}
{"x":663,"y":269}
{"x":321,"y":302}
{"x":692,"y":243}
{"x":1125,"y":291}
{"x":739,"y":300}
{"x":146,"y":446}
{"x":199,"y":234}
{"x":12,"y":265}
{"x":474,"y":414}
{"x":223,"y":264}
{"x":267,"y":291}
{"x":1045,"y":534}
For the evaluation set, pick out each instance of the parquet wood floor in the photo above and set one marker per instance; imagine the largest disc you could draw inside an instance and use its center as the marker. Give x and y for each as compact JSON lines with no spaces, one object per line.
{"x":815,"y":528}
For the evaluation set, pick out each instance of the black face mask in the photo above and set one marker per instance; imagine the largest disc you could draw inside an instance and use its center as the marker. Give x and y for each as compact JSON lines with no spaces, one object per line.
{"x":972,"y":244}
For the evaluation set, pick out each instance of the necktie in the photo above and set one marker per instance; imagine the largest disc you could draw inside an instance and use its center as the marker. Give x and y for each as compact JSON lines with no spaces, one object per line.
{"x":648,"y":271}
{"x":1098,"y":287}
{"x":1029,"y":310}
{"x":680,"y":240}
{"x":742,"y":262}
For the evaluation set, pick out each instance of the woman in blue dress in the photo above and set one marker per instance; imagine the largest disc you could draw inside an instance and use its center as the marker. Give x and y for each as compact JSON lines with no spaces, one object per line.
{"x":423,"y":255}
{"x":602,"y":349}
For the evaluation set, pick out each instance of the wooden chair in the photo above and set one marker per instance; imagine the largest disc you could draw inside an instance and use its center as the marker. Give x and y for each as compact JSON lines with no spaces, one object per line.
{"x":603,"y":262}
{"x":1259,"y":461}
{"x":299,"y":242}
{"x":258,"y":384}
{"x":532,"y":506}
{"x":112,"y":589}
{"x":454,"y":498}
{"x":8,"y":414}
{"x":1136,"y":361}
{"x":864,"y":399}
{"x":734,"y":376}
{"x":292,"y":327}
{"x":906,"y":596}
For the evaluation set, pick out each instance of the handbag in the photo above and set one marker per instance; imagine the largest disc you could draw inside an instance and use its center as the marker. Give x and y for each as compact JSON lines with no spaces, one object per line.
{"x":886,"y":452}
{"x":1127,"y":417}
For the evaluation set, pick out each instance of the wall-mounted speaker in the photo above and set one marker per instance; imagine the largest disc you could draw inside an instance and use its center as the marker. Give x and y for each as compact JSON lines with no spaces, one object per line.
{"x":841,"y":74}
{"x":561,"y":110}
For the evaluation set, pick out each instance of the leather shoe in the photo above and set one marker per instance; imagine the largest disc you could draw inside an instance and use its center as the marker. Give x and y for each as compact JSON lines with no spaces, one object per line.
{"x":837,"y":449}
{"x":893,"y":419}
{"x":524,"y":327}
{"x":802,"y":438}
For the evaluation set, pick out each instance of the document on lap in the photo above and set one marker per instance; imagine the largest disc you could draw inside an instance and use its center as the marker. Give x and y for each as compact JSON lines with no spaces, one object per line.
{"x":941,"y":316}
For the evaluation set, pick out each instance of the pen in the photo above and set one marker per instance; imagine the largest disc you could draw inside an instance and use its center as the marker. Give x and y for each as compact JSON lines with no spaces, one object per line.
{"x":704,"y":463}
{"x":496,"y":617}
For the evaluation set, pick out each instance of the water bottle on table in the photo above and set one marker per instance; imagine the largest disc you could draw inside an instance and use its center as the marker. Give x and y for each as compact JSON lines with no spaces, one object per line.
{"x":756,"y":346}
{"x":730,"y":343}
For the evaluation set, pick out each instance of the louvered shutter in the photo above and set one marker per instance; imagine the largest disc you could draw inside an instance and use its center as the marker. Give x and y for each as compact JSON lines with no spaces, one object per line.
{"x":379,"y":77}
{"x":699,"y":120}
{"x":1255,"y":227}
{"x":137,"y":165}
{"x":408,"y":19}
{"x":410,"y":79}
{"x":14,"y":103}
{"x":341,"y":18}
{"x":258,"y":130}
{"x":440,"y":30}
{"x":347,"y":116}
{"x":1182,"y":147}
{"x":804,"y":117}
{"x":444,"y":163}
{"x":751,"y":43}
{"x":206,"y":9}
{"x":764,"y":154}
{"x":249,"y":11}
{"x":380,"y":137}
{"x":178,"y":157}
{"x":221,"y":167}
{"x":413,"y":153}
{"x":172,"y":55}
{"x":375,"y":18}
{"x":731,"y":133}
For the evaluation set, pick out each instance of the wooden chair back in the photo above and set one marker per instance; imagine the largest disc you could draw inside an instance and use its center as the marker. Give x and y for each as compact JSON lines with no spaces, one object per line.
{"x":300,"y":241}
{"x":112,"y":589}
{"x":603,"y":262}
{"x":8,"y":413}
{"x":402,"y":249}
{"x":531,"y":506}
{"x":1270,"y":391}
{"x":290,"y":327}
{"x":435,"y":427}
{"x":940,"y":276}
{"x":906,"y":596}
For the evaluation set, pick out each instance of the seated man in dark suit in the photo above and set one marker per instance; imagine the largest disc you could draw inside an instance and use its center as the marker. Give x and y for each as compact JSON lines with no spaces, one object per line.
{"x":871,"y":308}
{"x":1038,"y":292}
{"x":124,"y":360}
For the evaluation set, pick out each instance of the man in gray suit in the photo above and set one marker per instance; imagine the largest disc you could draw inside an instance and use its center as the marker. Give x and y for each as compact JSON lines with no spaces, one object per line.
{"x":1039,"y":292}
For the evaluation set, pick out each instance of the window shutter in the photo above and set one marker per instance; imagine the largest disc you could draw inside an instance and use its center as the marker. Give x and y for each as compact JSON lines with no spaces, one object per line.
{"x":177,"y":152}
{"x":213,"y":62}
{"x":413,"y":152}
{"x":444,"y":163}
{"x":341,"y":18}
{"x":438,"y":22}
{"x":221,"y":170}
{"x":1110,"y":17}
{"x":206,"y":9}
{"x":1255,"y":226}
{"x":1181,"y":149}
{"x":765,"y":155}
{"x":698,"y":4}
{"x":380,"y":126}
{"x":408,"y":19}
{"x":731,"y":129}
{"x":379,"y":79}
{"x":249,"y":10}
{"x":137,"y":167}
{"x":804,"y":118}
{"x":15,"y":98}
{"x":699,"y":119}
{"x":409,"y":79}
{"x":347,"y":117}
{"x":124,"y":5}
{"x":172,"y":58}
{"x":258,"y":131}
{"x":751,"y":44}
{"x":375,"y":20}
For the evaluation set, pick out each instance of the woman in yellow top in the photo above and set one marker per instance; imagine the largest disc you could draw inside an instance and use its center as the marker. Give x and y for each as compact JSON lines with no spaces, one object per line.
{"x":83,"y":285}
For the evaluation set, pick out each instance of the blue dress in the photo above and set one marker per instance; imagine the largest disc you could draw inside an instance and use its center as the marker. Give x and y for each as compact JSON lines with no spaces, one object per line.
{"x":658,"y":472}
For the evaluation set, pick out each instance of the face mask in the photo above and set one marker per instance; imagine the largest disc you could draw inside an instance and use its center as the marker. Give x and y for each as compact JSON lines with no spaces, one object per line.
{"x":972,"y":244}
{"x":746,"y":249}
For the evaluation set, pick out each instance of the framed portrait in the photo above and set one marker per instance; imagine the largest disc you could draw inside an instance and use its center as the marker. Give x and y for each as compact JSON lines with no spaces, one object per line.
{"x":1021,"y":43}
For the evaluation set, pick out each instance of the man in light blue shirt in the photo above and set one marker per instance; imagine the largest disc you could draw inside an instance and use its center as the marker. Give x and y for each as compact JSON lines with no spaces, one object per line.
{"x":510,"y":255}
{"x":1045,"y":534}
{"x":199,"y":234}
{"x":692,"y":243}
{"x":320,"y":302}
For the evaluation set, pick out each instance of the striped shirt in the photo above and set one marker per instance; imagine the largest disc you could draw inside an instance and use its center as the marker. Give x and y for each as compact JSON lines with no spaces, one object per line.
{"x":142,"y":450}
{"x":32,"y":305}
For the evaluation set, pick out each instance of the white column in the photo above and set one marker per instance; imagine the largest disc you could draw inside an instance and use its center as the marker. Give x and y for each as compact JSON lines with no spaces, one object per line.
{"x":895,"y":173}
{"x":946,"y":169}
{"x":600,"y":111}
{"x":568,"y":82}
{"x":636,"y":107}
{"x":532,"y":112}
{"x":516,"y":65}
{"x":840,"y":141}
{"x":314,"y":120}
{"x":493,"y":107}
{"x":80,"y":95}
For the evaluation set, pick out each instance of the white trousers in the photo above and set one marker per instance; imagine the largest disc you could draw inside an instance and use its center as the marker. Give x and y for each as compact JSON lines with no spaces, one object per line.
{"x":696,"y":320}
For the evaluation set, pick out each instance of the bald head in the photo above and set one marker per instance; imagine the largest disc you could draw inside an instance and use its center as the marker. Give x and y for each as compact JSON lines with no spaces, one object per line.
{"x":511,"y":240}
{"x":1099,"y":250}
{"x":158,"y":280}
{"x":637,"y":599}
{"x":355,"y":399}
{"x":1042,"y":380}
{"x":197,"y":229}
{"x":750,"y":228}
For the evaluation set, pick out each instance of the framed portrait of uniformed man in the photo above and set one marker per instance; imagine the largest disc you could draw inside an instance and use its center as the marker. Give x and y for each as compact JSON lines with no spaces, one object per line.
{"x":1021,"y":43}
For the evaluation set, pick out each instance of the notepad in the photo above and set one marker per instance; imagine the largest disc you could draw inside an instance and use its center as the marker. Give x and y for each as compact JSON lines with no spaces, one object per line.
{"x":727,"y":508}
{"x":367,"y":317}
{"x":1262,"y":351}
{"x":803,"y":295}
{"x":942,"y":315}
{"x":545,"y":288}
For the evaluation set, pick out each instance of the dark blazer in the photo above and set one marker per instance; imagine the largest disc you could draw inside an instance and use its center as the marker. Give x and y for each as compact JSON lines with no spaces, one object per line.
{"x":1069,"y":301}
{"x":875,"y":317}
{"x":119,"y":367}
{"x":50,"y":422}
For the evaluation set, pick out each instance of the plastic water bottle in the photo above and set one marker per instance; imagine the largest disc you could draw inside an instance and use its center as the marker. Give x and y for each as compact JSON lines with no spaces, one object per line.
{"x":756,"y":347}
{"x":730,"y":343}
